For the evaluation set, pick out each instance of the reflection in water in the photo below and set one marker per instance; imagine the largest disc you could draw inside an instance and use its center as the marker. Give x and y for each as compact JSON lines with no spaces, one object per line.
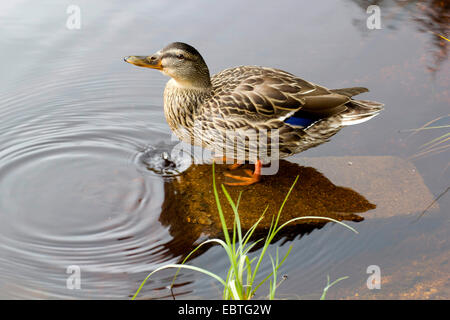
{"x":73,"y":192}
{"x":190,"y":212}
{"x":435,"y":18}
{"x":432,"y":16}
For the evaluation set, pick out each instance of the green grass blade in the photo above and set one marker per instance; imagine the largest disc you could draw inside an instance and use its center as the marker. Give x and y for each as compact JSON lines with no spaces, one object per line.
{"x":435,"y":151}
{"x":279,"y":265}
{"x":436,"y":140}
{"x":236,"y":213}
{"x":427,"y":128}
{"x":315,"y":217}
{"x":272,"y":228}
{"x":250,"y":231}
{"x":219,"y":208}
{"x":234,"y":291}
{"x":219,"y":241}
{"x":325,"y":290}
{"x":179,"y":266}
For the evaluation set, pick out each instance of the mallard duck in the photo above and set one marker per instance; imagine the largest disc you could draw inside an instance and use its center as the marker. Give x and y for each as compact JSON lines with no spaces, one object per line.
{"x":231,"y":109}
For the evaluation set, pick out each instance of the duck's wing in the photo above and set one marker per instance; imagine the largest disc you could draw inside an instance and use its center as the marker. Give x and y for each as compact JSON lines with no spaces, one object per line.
{"x":263,"y":95}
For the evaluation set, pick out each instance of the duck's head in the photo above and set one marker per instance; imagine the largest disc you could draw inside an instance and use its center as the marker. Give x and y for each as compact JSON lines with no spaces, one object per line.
{"x":180,"y":61}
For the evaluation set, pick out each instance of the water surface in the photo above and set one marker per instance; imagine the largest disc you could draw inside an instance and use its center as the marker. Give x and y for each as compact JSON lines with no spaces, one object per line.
{"x":78,"y":127}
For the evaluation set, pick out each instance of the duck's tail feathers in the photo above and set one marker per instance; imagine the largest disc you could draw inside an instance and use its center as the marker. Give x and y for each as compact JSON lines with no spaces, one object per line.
{"x":350,"y":92}
{"x":360,"y":111}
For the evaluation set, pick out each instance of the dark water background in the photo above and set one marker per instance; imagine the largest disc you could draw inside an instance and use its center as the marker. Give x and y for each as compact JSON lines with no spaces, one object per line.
{"x":76,"y":119}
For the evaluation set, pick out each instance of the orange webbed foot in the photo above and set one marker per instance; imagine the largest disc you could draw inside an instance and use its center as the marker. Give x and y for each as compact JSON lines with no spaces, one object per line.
{"x":252,"y":177}
{"x":234,"y":166}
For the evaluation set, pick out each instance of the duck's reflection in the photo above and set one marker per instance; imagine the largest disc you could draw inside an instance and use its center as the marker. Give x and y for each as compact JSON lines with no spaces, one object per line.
{"x":190,"y":209}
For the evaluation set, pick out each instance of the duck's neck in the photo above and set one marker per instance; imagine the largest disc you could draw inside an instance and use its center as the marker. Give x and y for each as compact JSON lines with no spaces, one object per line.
{"x":183,"y":102}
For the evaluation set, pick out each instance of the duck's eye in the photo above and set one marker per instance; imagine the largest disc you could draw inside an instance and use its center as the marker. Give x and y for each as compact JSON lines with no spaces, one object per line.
{"x":180,"y":56}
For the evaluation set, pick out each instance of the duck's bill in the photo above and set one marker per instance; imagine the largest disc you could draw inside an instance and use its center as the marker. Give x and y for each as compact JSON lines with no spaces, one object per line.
{"x":146,"y":62}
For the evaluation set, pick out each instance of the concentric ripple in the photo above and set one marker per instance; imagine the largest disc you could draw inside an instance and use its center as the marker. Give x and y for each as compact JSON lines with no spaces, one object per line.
{"x":74,"y":121}
{"x":72,"y":199}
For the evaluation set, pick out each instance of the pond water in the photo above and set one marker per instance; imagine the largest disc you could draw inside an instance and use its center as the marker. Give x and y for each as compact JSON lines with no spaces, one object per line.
{"x":79,"y":126}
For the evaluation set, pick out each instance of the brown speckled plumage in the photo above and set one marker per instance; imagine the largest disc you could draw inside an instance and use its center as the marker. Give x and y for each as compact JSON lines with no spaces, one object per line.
{"x":239,"y":104}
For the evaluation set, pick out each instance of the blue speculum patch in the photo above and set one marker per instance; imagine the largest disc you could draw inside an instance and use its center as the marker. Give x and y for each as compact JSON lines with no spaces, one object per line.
{"x":300,"y":121}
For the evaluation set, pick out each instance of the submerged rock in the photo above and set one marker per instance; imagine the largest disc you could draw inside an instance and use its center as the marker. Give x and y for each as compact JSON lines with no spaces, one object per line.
{"x":393,"y":184}
{"x":371,"y":187}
